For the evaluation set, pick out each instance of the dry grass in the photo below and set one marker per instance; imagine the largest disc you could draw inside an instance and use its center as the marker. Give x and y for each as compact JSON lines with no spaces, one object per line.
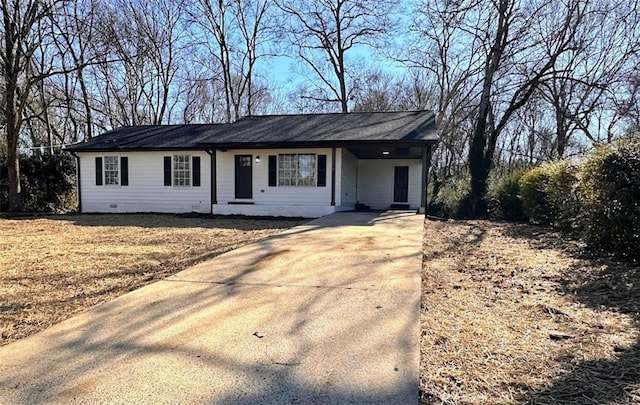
{"x":513,"y":313}
{"x":54,"y":267}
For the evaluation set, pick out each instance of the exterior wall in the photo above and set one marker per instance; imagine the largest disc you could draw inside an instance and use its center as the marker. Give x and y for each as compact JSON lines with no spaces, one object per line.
{"x":375,"y":182}
{"x":278,"y":200}
{"x":348,"y":180}
{"x":146,"y":191}
{"x":369,"y":182}
{"x":304,"y":211}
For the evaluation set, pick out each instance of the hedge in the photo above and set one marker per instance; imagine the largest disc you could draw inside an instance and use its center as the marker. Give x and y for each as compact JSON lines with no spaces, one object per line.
{"x":610,"y":191}
{"x":598,"y":200}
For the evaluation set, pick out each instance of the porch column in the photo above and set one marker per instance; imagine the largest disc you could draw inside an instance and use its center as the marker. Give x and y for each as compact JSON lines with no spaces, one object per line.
{"x":214,"y":180}
{"x":426,"y":164}
{"x":333,"y":176}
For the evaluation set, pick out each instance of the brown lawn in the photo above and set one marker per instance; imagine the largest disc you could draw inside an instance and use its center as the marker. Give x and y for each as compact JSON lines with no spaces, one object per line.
{"x":54,"y":267}
{"x":511,"y":313}
{"x":517,"y":314}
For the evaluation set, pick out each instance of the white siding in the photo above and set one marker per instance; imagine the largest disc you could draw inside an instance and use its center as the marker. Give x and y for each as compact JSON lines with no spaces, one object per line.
{"x":263,"y":194}
{"x":375,"y":182}
{"x":348,"y":179}
{"x":146,"y":191}
{"x":369,"y":182}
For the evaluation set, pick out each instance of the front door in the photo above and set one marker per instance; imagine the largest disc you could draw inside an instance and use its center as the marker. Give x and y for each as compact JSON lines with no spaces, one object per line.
{"x":243,"y":172}
{"x":401,"y":184}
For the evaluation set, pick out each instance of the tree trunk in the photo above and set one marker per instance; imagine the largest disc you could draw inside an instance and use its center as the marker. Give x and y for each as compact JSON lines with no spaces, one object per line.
{"x":480,"y":159}
{"x":475,"y":205}
{"x":13,"y":123}
{"x":15,"y":192}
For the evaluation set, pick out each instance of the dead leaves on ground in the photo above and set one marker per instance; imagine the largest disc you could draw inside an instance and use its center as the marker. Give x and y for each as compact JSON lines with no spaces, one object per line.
{"x":512,"y":313}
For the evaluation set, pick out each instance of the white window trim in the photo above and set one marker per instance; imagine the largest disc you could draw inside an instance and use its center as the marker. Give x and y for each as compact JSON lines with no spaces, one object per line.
{"x":315,"y":172}
{"x":118,"y":171}
{"x":173,"y":171}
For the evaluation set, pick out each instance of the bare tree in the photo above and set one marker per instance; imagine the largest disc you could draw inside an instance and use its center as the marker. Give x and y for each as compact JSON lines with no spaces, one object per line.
{"x":138,"y":46}
{"x":437,"y":31}
{"x":629,"y":105}
{"x":75,"y":30}
{"x":378,"y":92}
{"x":22,"y":23}
{"x":583,"y":85}
{"x":399,"y":90}
{"x":515,"y":65}
{"x":324,"y":31}
{"x":241,"y":31}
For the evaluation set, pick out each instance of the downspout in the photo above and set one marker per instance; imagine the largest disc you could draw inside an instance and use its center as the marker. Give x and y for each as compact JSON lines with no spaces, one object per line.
{"x":78,"y":186}
{"x":214,"y":180}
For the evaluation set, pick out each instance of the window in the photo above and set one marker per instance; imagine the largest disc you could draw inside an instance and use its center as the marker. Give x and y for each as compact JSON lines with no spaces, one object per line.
{"x":114,"y":171}
{"x":111,"y":171}
{"x":181,"y":170}
{"x":297,"y":169}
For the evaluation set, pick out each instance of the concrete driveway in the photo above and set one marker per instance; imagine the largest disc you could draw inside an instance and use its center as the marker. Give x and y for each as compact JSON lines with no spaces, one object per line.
{"x":327,"y":312}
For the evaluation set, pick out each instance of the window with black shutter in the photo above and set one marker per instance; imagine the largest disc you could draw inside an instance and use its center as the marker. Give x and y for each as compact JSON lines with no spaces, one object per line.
{"x":167,"y":170}
{"x":196,"y":171}
{"x":322,"y":170}
{"x":273,"y":171}
{"x":98,"y":171}
{"x":124,"y":171}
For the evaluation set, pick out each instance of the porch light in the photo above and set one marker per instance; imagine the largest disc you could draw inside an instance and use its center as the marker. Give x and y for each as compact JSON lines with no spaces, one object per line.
{"x":386,"y":152}
{"x":257,"y":160}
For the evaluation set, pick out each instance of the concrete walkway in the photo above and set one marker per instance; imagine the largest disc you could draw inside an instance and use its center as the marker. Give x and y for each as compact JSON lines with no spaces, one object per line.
{"x":326,"y":312}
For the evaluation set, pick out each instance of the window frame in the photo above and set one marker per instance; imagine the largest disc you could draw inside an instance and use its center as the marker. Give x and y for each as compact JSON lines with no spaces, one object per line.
{"x":189,"y":170}
{"x":289,"y":170}
{"x":108,"y":178}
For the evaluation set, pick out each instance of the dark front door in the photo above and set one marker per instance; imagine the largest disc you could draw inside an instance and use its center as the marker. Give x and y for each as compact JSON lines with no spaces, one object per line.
{"x":401,"y":184}
{"x":243,"y":176}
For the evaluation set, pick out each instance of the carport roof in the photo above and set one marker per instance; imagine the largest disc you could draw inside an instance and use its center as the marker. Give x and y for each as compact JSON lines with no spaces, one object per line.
{"x":354,"y":130}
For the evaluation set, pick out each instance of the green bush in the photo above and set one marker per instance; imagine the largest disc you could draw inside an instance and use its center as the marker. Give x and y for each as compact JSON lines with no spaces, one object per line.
{"x":504,"y":197}
{"x":534,"y":197}
{"x":610,"y":190}
{"x":47,"y":182}
{"x":447,"y":202}
{"x":548,"y":194}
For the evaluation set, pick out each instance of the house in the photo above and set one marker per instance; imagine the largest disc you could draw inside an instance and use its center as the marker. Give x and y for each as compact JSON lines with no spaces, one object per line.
{"x":306,"y":165}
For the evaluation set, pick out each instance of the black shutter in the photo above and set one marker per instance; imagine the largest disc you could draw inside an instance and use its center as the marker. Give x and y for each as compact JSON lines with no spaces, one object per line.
{"x":273,"y":170}
{"x":322,"y":170}
{"x":167,"y":170}
{"x":98,"y":171}
{"x":196,"y":171}
{"x":124,"y":171}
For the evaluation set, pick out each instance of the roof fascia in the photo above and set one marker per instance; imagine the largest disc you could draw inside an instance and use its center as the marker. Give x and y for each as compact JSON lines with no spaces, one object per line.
{"x":313,"y":144}
{"x":179,"y":148}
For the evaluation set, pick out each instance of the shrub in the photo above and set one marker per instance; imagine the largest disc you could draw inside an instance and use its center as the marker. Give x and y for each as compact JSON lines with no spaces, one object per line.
{"x":47,"y":182}
{"x":504,"y":197}
{"x":610,"y":190}
{"x":447,"y":202}
{"x":534,"y":196}
{"x":548,"y":194}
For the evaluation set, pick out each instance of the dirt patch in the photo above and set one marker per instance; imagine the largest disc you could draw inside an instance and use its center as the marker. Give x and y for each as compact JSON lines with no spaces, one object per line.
{"x":514,"y":313}
{"x":54,"y":267}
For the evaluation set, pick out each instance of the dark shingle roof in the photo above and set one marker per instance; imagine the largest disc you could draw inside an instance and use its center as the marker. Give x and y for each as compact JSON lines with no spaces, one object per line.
{"x":406,"y":127}
{"x":143,"y":137}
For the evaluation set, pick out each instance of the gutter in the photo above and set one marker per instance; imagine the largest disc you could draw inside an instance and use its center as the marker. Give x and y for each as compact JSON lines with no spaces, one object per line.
{"x":214,"y":178}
